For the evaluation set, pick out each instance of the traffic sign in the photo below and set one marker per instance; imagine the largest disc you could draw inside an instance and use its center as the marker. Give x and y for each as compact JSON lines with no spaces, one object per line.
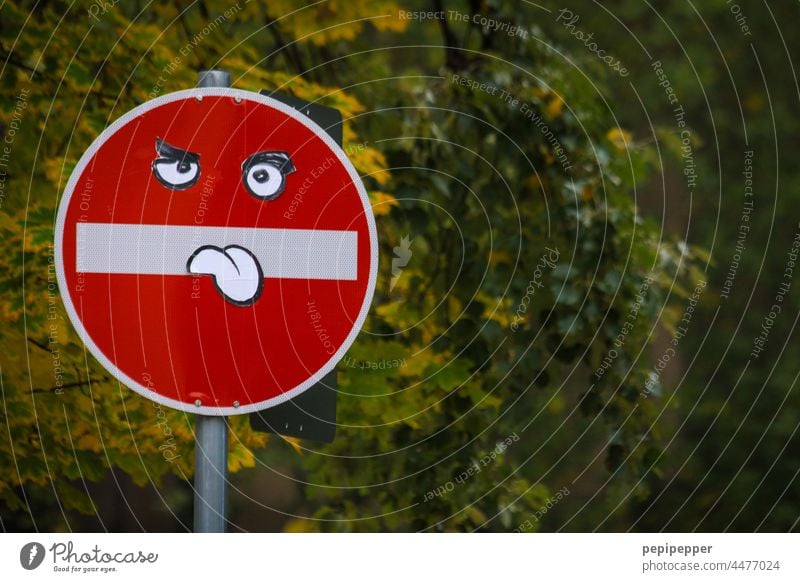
{"x":216,"y":251}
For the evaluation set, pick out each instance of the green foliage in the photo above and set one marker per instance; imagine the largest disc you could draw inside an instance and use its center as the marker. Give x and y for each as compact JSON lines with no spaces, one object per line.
{"x":733,"y":460}
{"x":481,"y":194}
{"x":480,"y":188}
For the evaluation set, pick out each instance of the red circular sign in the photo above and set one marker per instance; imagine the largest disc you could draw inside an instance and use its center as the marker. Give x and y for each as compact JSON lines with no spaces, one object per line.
{"x":216,"y":251}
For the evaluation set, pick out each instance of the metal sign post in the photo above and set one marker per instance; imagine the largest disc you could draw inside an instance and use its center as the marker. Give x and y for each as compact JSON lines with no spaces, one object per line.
{"x":211,"y":432}
{"x":210,"y":474}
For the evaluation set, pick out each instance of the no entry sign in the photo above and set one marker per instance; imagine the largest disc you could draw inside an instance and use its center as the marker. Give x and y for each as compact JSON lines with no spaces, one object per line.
{"x":216,"y":251}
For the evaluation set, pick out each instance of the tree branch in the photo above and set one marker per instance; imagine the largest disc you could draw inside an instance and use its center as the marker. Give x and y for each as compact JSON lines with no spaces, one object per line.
{"x":290,"y":52}
{"x":486,"y":36}
{"x":53,"y":389}
{"x":453,"y":58}
{"x":6,"y":55}
{"x":39,"y":345}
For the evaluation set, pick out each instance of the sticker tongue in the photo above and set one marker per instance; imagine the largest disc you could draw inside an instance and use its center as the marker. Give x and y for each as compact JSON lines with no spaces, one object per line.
{"x":236,"y":272}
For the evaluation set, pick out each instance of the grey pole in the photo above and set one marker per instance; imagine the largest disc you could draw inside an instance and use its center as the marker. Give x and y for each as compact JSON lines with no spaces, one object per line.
{"x":211,"y":432}
{"x":210,"y":474}
{"x":214,"y":78}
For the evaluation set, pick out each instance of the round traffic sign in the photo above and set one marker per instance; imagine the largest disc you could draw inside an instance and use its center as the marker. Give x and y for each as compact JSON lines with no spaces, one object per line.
{"x":216,"y":251}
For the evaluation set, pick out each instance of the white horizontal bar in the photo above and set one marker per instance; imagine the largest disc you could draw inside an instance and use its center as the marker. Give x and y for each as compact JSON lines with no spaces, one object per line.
{"x":146,"y":249}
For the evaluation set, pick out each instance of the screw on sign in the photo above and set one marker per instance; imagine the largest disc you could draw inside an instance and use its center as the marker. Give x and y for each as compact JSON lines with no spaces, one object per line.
{"x":192,"y":238}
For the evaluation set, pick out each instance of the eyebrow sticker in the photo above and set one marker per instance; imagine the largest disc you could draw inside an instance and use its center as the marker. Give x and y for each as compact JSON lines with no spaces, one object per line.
{"x":175,"y":168}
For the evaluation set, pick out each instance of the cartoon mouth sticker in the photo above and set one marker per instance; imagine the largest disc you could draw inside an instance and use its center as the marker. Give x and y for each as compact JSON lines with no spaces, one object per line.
{"x":236,"y":272}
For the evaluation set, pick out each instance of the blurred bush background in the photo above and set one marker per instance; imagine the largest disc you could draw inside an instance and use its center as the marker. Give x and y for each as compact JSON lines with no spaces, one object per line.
{"x":564,"y":185}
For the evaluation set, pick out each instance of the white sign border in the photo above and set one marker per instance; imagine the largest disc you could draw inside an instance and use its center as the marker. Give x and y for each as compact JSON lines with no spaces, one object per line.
{"x":73,"y":314}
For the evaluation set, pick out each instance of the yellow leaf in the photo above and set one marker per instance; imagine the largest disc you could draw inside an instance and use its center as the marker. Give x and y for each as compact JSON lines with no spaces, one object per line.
{"x":475,"y":514}
{"x":619,"y":138}
{"x":382,"y":202}
{"x":555,"y":107}
{"x":496,"y":257}
{"x":556,"y":404}
{"x":391,"y":22}
{"x":240,"y":456}
{"x":295,"y":444}
{"x":89,"y":442}
{"x":299,"y":526}
{"x":533,"y":182}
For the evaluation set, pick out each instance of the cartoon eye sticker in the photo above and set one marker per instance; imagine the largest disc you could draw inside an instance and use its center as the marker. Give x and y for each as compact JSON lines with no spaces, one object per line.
{"x":175,"y":168}
{"x":264,"y":174}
